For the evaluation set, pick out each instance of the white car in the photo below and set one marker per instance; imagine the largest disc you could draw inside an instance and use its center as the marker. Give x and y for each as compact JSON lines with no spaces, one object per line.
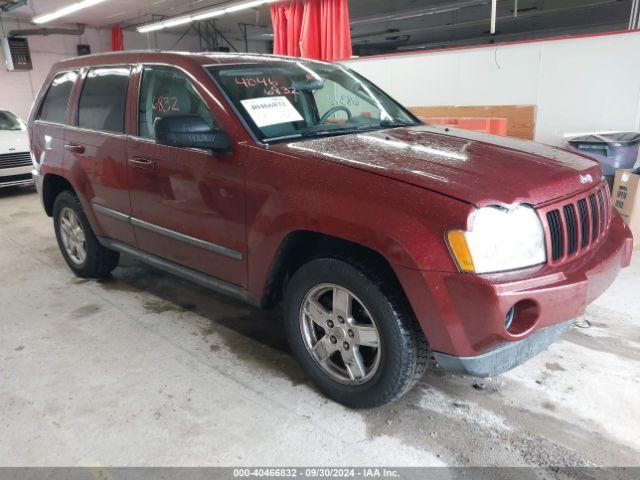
{"x":15,"y":159}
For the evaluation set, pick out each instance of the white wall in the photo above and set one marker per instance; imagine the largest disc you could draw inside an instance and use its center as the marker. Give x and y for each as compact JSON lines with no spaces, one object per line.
{"x":18,"y":89}
{"x":578,"y":85}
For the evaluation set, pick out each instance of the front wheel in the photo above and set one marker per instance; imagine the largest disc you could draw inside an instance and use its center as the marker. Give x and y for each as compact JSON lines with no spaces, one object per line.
{"x":353,"y":334}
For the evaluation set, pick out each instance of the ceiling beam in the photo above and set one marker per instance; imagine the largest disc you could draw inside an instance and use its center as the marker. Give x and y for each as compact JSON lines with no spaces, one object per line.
{"x":13,"y":5}
{"x":505,"y":37}
{"x":381,"y":36}
{"x":420,"y":12}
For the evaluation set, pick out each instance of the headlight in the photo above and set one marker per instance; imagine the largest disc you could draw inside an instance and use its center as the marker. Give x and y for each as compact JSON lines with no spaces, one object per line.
{"x":500,"y":239}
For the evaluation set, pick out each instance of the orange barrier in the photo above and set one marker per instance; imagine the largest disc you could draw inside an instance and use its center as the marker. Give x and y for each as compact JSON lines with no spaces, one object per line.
{"x":492,"y":125}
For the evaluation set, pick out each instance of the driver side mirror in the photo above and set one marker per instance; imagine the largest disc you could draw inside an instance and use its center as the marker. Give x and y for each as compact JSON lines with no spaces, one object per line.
{"x":189,"y":131}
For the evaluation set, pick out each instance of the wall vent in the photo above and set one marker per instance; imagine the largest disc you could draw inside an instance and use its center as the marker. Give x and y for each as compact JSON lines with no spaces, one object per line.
{"x":84,"y":49}
{"x":17,"y":55}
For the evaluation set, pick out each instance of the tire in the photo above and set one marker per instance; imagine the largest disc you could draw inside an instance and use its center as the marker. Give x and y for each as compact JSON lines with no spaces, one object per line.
{"x":382,"y":374}
{"x":97,"y":261}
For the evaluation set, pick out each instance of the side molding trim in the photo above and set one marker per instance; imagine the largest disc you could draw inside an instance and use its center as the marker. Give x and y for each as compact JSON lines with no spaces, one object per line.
{"x":189,"y":274}
{"x":212,"y":247}
{"x":110,"y":213}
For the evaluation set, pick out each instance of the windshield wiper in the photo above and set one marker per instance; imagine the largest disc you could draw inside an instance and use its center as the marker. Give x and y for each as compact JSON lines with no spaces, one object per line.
{"x":339,"y":131}
{"x":283,"y":137}
{"x":395,"y":123}
{"x":305,"y":134}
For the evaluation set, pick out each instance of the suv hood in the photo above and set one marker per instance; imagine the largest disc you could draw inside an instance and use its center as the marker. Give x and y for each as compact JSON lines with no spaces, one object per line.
{"x":471,"y":166}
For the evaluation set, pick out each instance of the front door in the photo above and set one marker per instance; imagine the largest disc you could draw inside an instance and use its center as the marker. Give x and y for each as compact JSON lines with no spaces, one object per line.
{"x":187,"y":204}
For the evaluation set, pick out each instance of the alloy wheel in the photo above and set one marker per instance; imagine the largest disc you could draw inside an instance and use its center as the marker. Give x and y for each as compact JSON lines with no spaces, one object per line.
{"x":340,"y":334}
{"x":73,"y":237}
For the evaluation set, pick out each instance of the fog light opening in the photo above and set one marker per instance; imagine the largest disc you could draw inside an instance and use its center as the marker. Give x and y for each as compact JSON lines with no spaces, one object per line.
{"x":522,"y":317}
{"x":508,"y":319}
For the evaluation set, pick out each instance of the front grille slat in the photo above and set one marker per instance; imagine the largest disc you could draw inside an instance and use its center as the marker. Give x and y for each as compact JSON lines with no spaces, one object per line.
{"x":577,"y":224}
{"x":572,"y":228}
{"x":19,"y":155}
{"x":601,"y":211}
{"x":607,"y":208}
{"x":595,"y":224}
{"x":13,"y":160}
{"x":14,"y":164}
{"x":584,"y":223}
{"x":553,"y":217}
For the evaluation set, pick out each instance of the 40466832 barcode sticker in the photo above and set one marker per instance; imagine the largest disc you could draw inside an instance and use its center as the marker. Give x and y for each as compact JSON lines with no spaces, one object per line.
{"x":267,"y":111}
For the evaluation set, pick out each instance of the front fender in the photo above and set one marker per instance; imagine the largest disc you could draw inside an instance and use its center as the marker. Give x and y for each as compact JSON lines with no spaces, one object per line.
{"x":405,"y":224}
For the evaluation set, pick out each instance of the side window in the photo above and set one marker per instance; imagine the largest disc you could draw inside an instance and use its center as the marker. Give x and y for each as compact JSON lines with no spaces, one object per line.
{"x":168,"y":92}
{"x":54,"y":105}
{"x":103,"y":99}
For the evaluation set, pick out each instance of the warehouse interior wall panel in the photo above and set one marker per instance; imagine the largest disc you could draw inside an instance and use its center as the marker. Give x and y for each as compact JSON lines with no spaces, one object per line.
{"x":577,"y":85}
{"x":20,"y":88}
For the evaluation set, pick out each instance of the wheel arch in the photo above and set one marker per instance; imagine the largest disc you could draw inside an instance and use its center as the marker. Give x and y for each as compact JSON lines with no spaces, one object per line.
{"x":301,"y":246}
{"x":52,"y":186}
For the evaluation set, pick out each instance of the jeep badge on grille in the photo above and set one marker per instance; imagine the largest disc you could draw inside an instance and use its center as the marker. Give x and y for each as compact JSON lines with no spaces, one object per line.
{"x":586,"y":178}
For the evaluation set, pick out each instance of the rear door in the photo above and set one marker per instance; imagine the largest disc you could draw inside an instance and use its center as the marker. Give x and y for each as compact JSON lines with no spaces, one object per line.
{"x":188,"y":205}
{"x":97,"y":147}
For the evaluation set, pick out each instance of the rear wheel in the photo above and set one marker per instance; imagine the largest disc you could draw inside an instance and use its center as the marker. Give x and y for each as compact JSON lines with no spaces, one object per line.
{"x":79,"y":246}
{"x":353,"y":334}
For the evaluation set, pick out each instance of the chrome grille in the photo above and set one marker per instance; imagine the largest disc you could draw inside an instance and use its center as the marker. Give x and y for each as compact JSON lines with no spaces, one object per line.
{"x":576,"y":224}
{"x":12,"y":160}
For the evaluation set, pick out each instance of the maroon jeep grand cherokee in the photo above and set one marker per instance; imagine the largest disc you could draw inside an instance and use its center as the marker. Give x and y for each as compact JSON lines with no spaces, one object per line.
{"x":276,"y":179}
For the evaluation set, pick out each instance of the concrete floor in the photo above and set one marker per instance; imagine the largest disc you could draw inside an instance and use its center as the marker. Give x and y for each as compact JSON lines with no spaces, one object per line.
{"x":146,"y":369}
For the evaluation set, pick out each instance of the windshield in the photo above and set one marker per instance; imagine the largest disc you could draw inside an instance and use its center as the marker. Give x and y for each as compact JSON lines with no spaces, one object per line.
{"x":8,"y":121}
{"x":288,"y":100}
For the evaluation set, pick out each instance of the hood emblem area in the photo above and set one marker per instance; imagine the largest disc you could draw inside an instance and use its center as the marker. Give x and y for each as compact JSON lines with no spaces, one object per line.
{"x":586,"y":178}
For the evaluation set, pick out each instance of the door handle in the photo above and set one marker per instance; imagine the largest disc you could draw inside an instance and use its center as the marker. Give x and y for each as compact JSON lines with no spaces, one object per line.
{"x":74,"y":147}
{"x":142,"y":163}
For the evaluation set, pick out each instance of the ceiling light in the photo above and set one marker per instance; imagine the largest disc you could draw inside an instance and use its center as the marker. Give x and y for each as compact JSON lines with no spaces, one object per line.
{"x":177,"y":21}
{"x":245,"y":5}
{"x":202,"y":15}
{"x":210,"y":14}
{"x":151,"y":28}
{"x":69,"y":9}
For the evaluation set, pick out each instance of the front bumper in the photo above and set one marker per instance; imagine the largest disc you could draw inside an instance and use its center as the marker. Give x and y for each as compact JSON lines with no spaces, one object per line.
{"x":16,"y":180}
{"x":16,"y":176}
{"x":505,"y":357}
{"x":463,"y":315}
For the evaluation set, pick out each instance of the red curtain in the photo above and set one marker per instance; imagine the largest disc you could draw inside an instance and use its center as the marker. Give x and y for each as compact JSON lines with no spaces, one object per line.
{"x":310,"y":34}
{"x":117,"y":39}
{"x":287,"y":25}
{"x":312,"y":29}
{"x":336,"y":31}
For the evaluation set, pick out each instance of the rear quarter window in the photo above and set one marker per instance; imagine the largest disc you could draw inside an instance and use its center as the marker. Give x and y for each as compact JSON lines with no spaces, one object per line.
{"x":103,"y":99}
{"x":56,"y":101}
